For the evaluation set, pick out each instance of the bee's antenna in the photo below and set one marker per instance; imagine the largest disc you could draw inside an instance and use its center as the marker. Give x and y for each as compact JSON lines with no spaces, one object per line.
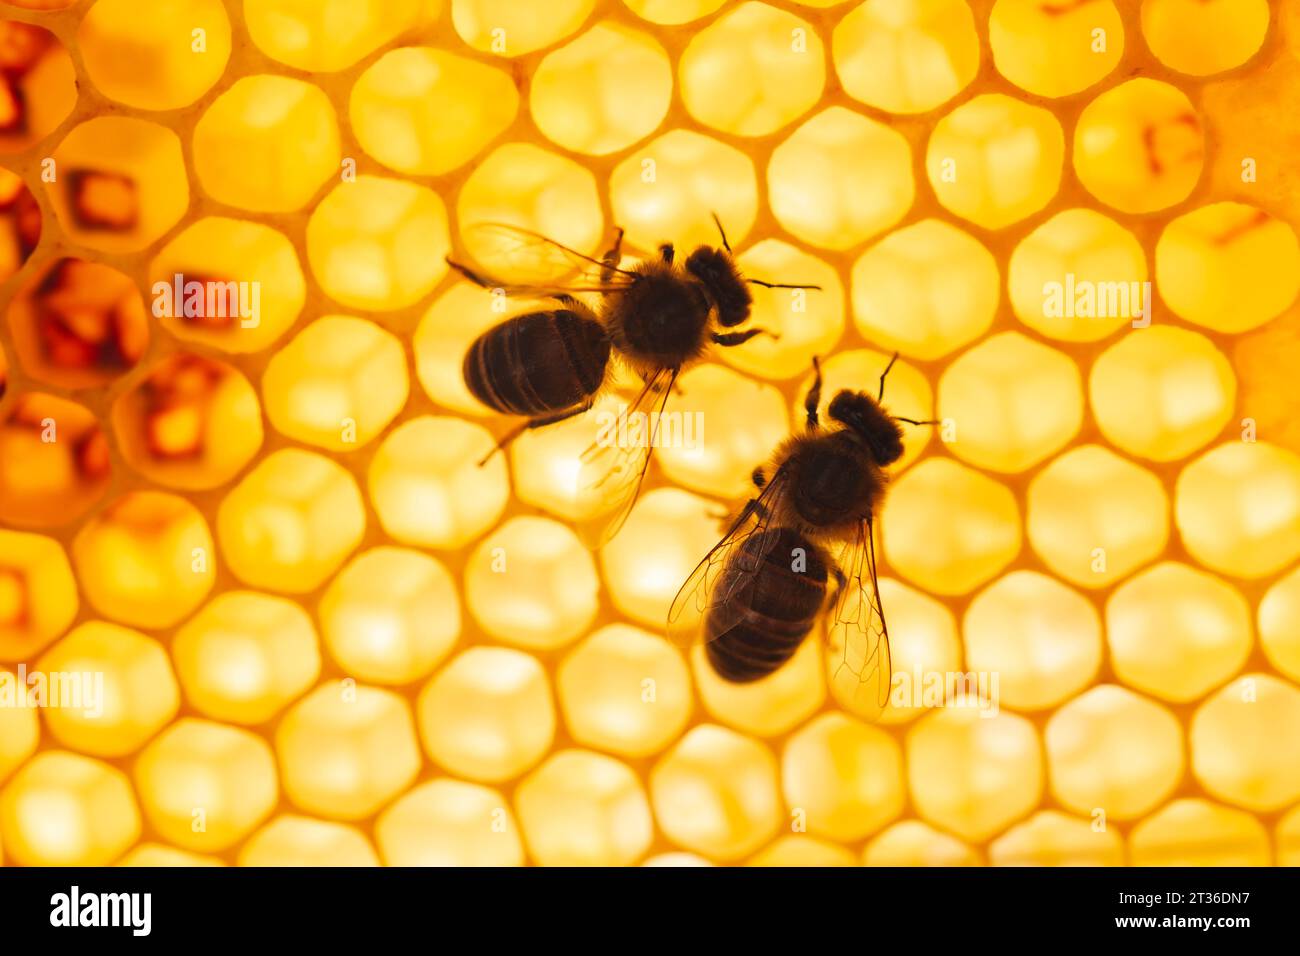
{"x":783,"y":285}
{"x":881,"y":396}
{"x":722,"y":232}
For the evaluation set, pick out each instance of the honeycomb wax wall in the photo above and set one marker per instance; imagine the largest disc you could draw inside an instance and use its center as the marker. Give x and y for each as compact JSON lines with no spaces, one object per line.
{"x":325,"y":635}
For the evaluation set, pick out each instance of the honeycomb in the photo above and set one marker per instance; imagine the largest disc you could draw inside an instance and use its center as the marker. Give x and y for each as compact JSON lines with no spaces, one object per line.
{"x":310,"y":629}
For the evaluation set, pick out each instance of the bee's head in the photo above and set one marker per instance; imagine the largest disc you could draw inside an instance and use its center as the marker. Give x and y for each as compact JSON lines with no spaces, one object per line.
{"x":864,"y":416}
{"x":716,"y":271}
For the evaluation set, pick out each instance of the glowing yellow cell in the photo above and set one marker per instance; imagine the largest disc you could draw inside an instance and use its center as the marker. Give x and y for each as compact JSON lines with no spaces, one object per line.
{"x":1112,"y":750}
{"x":584,"y":809}
{"x":291,"y":522}
{"x":531,"y":583}
{"x":449,"y":823}
{"x":1177,"y":632}
{"x":378,"y":244}
{"x":667,"y":190}
{"x":1051,"y":838}
{"x":1041,"y":638}
{"x":107,"y":689}
{"x":716,"y":793}
{"x":267,"y":144}
{"x":906,"y":56}
{"x":972,"y":773}
{"x":162,"y":61}
{"x":1055,"y":50}
{"x":913,"y":843}
{"x":245,"y":656}
{"x":337,"y":384}
{"x":390,"y":616}
{"x":488,"y":715}
{"x":1095,"y":517}
{"x":1288,"y":839}
{"x":63,"y":809}
{"x":205,"y":786}
{"x":428,"y":487}
{"x":1161,"y":393}
{"x":802,"y":851}
{"x":1245,"y":743}
{"x":925,"y":290}
{"x":528,"y":187}
{"x":509,"y":28}
{"x":1279,"y":624}
{"x":752,"y":70}
{"x":146,"y":560}
{"x":1197,"y":833}
{"x":425,"y":112}
{"x":1228,"y":266}
{"x":38,"y":594}
{"x":1139,"y":146}
{"x":159,"y":855}
{"x":676,"y":859}
{"x":840,"y":179}
{"x":1238,"y":508}
{"x":673,"y":12}
{"x":328,"y":35}
{"x":994,"y":160}
{"x":1010,"y":402}
{"x":845,"y":777}
{"x":949,"y":528}
{"x":346,"y":750}
{"x":20,"y":728}
{"x":1201,"y":37}
{"x":231,"y":250}
{"x":291,"y":840}
{"x":626,"y":691}
{"x":772,"y":705}
{"x":1079,"y":277}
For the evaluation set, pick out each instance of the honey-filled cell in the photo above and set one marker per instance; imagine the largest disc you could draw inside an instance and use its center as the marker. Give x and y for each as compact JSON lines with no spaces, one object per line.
{"x":21,"y":222}
{"x":329,"y":35}
{"x":39,"y":89}
{"x":291,"y":840}
{"x":54,"y":461}
{"x":38,"y":594}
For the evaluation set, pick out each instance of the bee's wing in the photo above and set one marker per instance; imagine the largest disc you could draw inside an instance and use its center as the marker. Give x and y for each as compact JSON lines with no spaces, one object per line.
{"x":548,"y":268}
{"x":856,"y":629}
{"x":708,"y":591}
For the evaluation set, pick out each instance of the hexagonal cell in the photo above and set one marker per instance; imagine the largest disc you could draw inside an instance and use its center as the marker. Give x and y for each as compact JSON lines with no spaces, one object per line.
{"x":390,"y":616}
{"x":625,"y":690}
{"x":994,"y":160}
{"x":1198,"y":833}
{"x":378,"y":244}
{"x":428,"y":488}
{"x":840,"y":178}
{"x":291,"y":522}
{"x":449,"y":823}
{"x":505,"y":28}
{"x":267,"y":294}
{"x":1199,"y":37}
{"x":673,"y":12}
{"x":1162,"y":393}
{"x":190,"y":422}
{"x":1177,"y":632}
{"x":327,"y":35}
{"x":802,"y":851}
{"x":121,"y":183}
{"x":1041,"y":638}
{"x":971,"y":773}
{"x":1112,"y":750}
{"x":424,"y":111}
{"x":291,"y":840}
{"x":205,"y":786}
{"x":1228,"y":266}
{"x":1049,"y":838}
{"x":1245,"y":743}
{"x":716,"y":793}
{"x":772,"y":705}
{"x":160,"y":855}
{"x":38,"y":594}
{"x":1279,"y":623}
{"x":121,"y":689}
{"x":1079,"y":277}
{"x":584,"y":809}
{"x":20,"y":228}
{"x":906,"y":57}
{"x":773,"y":57}
{"x":1238,"y":508}
{"x":245,"y":656}
{"x":54,"y":462}
{"x":1010,"y":402}
{"x":20,"y":727}
{"x":1094,"y":517}
{"x":162,"y":61}
{"x":39,"y":88}
{"x":62,"y":809}
{"x":949,"y":528}
{"x":1288,"y":839}
{"x":337,"y":384}
{"x":913,"y":843}
{"x":1141,"y":118}
{"x":346,"y":750}
{"x":1055,"y":50}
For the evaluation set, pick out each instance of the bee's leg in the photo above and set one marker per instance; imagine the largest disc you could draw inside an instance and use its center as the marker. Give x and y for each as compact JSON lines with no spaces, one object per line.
{"x":666,"y":253}
{"x":814,"y":398}
{"x":881,"y":395}
{"x":539,"y":422}
{"x":913,"y":421}
{"x":610,"y":258}
{"x":728,"y":339}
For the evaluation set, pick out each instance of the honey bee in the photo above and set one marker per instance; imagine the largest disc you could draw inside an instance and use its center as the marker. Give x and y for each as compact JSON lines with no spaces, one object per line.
{"x":656,"y":318}
{"x":758,"y":594}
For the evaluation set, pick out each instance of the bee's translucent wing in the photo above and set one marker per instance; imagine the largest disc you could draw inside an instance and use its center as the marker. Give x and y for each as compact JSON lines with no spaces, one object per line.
{"x":521,"y":262}
{"x":856,"y":629}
